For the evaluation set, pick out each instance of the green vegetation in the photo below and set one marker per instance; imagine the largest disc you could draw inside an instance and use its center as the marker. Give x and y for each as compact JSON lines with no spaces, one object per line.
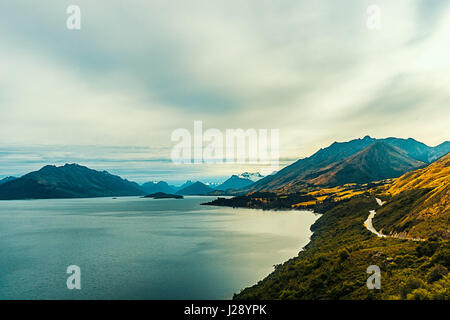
{"x":333,"y":265}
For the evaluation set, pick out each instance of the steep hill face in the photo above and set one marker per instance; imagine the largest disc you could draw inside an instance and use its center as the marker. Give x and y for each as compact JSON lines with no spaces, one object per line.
{"x":196,"y":188}
{"x":433,"y":176}
{"x":420,"y":203}
{"x":68,"y":181}
{"x":306,"y":169}
{"x":376,"y":162}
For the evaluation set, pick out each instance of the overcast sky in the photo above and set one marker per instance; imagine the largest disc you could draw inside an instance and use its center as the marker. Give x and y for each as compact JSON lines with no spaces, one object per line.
{"x":110,"y":95}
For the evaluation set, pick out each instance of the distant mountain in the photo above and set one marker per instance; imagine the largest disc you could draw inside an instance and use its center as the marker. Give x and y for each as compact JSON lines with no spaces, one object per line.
{"x":7,"y":179}
{"x":234,"y":182}
{"x":68,"y":181}
{"x":253,"y":176}
{"x":196,"y":188}
{"x":304,"y":169}
{"x":301,"y":168}
{"x":376,"y":162}
{"x":439,"y":151}
{"x":184,"y":185}
{"x":419,"y":150}
{"x":161,"y":186}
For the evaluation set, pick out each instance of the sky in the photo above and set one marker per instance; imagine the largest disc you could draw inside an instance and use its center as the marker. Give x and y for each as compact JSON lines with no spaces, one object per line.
{"x":110,"y":95}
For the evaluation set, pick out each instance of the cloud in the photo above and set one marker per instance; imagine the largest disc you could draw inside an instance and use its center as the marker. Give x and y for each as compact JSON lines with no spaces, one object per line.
{"x":138,"y":70}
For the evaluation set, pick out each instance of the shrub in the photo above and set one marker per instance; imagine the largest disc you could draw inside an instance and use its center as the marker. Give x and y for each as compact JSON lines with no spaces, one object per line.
{"x":437,"y":273}
{"x":344,"y":254}
{"x":442,"y":257}
{"x":419,"y":294}
{"x":411,"y":285}
{"x":427,"y":248}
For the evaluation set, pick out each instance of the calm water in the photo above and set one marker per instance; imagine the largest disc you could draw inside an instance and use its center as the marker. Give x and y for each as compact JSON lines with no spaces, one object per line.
{"x":133,"y":248}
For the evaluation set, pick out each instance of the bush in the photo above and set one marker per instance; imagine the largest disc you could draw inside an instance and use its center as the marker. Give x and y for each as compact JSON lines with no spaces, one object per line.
{"x":442,"y":257}
{"x":411,"y":285}
{"x":344,"y":254}
{"x":437,"y":273}
{"x":419,"y":294}
{"x":427,"y":248}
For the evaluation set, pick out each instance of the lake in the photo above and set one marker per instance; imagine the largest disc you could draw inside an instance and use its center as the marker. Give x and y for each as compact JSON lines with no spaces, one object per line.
{"x":136,"y":248}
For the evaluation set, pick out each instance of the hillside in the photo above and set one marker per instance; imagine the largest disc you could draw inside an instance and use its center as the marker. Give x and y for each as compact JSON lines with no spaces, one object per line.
{"x":418,"y":203}
{"x":68,"y":181}
{"x":333,"y":265}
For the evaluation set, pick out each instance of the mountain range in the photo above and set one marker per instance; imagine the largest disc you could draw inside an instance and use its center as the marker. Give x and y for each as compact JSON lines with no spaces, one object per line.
{"x":359,"y":160}
{"x":356,"y":161}
{"x":68,"y":181}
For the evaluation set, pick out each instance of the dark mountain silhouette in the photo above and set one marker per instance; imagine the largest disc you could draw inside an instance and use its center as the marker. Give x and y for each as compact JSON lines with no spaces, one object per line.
{"x":161,"y":186}
{"x":196,"y":188}
{"x":234,"y":182}
{"x":7,"y":179}
{"x":303,"y":169}
{"x":376,"y":162}
{"x":68,"y":181}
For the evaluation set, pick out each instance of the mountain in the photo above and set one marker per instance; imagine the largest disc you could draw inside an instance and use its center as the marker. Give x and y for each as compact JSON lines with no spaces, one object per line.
{"x":302,"y":170}
{"x":234,"y":182}
{"x":153,"y":187}
{"x":184,"y":185}
{"x":196,"y":188}
{"x":376,"y":162}
{"x":439,"y":151}
{"x":7,"y":179}
{"x":418,"y":204}
{"x":253,"y":176}
{"x":68,"y":181}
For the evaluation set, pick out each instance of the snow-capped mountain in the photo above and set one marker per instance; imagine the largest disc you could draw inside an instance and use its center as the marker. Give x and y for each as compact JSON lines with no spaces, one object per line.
{"x":254,"y":176}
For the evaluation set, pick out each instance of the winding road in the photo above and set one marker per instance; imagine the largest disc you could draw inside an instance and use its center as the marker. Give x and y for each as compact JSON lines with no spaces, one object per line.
{"x":369,"y":226}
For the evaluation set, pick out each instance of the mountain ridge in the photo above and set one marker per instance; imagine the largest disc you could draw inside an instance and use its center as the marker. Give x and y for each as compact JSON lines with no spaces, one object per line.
{"x":68,"y":181}
{"x":297,"y":172}
{"x":197,"y":188}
